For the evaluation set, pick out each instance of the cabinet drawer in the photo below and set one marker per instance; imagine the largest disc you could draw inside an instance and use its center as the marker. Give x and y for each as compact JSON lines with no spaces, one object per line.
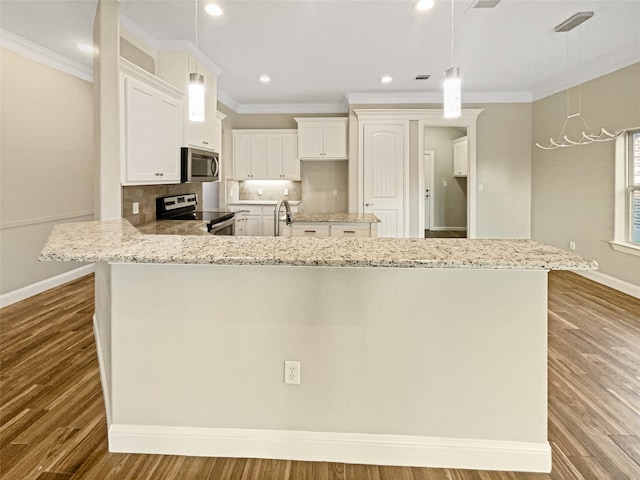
{"x":309,"y":230}
{"x":350,"y":230}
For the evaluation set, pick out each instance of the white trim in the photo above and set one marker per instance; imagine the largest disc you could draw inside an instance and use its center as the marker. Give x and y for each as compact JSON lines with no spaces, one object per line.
{"x":357,"y":448}
{"x":356,"y":98}
{"x":625,"y":247}
{"x":106,"y":393}
{"x":227,"y":101}
{"x":23,"y":293}
{"x":132,"y":28}
{"x":38,"y":221}
{"x":45,"y":56}
{"x":453,"y":229}
{"x":609,"y":281}
{"x":293,"y":108}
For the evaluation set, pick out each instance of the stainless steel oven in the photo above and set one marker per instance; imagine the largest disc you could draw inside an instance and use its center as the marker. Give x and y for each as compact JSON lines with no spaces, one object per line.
{"x":183,"y":207}
{"x":225,"y":227}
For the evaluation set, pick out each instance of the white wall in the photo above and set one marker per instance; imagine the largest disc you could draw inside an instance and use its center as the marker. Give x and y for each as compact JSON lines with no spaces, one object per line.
{"x":48,"y":164}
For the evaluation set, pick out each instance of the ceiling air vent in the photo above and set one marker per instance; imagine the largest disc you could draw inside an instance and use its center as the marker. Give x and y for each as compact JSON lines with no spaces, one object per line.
{"x":485,"y":3}
{"x":573,"y":21}
{"x":423,"y":77}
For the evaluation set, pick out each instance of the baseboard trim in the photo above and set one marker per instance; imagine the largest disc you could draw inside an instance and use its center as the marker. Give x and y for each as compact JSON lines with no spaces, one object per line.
{"x":103,"y":379}
{"x":23,"y":293}
{"x":369,"y":449}
{"x":609,"y":281}
{"x":453,"y":229}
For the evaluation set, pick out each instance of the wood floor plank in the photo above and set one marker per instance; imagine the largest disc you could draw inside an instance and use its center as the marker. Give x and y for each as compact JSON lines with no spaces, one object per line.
{"x":53,"y":427}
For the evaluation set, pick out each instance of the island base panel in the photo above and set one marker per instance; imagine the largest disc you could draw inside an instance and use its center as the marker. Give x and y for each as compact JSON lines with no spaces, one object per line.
{"x":423,"y":367}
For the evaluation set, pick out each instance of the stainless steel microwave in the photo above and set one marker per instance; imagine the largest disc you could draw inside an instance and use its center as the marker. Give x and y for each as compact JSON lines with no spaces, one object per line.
{"x":199,"y":165}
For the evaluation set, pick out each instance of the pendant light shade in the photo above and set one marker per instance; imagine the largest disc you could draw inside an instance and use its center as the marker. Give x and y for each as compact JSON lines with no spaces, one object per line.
{"x":196,"y":97}
{"x":452,"y":95}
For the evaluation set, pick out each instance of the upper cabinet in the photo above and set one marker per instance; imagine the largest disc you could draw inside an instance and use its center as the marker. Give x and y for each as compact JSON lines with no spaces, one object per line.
{"x":460,"y":157}
{"x":172,"y":67}
{"x":322,"y":138}
{"x":265,"y":155}
{"x":151,"y":117}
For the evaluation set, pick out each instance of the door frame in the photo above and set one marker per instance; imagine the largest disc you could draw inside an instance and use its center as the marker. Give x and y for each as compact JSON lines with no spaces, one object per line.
{"x":421,"y":187}
{"x":425,"y":118}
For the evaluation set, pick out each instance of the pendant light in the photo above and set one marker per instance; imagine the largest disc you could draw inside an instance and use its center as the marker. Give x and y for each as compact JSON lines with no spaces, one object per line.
{"x":452,"y":96}
{"x":196,"y":84}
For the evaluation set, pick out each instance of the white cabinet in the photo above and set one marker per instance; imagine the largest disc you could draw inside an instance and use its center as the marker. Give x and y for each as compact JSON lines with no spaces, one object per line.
{"x":151,"y":115}
{"x":332,"y":229}
{"x":265,"y":155}
{"x":460,"y":157}
{"x":172,"y":68}
{"x":257,"y":220}
{"x":322,"y":138}
{"x":310,"y":230}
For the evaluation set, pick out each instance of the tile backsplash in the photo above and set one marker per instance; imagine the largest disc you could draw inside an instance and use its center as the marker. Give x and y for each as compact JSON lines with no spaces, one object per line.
{"x":269,"y":190}
{"x":146,"y":196}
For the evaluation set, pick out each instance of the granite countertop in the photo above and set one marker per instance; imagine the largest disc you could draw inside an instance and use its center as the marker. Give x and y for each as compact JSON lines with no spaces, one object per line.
{"x":312,"y":217}
{"x":174,"y":227}
{"x":119,"y":241}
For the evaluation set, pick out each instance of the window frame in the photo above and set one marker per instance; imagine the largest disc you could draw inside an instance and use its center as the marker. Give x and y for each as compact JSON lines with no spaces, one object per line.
{"x":624,"y":195}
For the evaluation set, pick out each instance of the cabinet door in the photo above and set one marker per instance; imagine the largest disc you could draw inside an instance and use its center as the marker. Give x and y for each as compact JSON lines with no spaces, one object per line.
{"x":242,"y":157}
{"x":152,"y":135}
{"x":267,"y":225}
{"x":167,"y":140}
{"x":290,"y":160}
{"x":274,"y":157}
{"x":460,"y":156}
{"x":241,"y":222}
{"x":258,"y":156}
{"x":335,"y":141}
{"x":310,"y":140}
{"x":253,"y":225}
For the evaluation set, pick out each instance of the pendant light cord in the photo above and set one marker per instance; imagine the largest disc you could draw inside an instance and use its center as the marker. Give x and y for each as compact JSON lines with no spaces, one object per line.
{"x":452,"y":1}
{"x":196,"y":21}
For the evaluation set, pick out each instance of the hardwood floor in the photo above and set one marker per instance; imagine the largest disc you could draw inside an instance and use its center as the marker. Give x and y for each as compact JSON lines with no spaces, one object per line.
{"x":53,"y":427}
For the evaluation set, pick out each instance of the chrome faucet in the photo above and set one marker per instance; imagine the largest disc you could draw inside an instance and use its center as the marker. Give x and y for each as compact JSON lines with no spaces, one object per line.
{"x":276,"y":216}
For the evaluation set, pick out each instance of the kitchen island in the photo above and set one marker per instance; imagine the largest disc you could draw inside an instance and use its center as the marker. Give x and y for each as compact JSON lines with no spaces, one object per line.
{"x":413,"y":352}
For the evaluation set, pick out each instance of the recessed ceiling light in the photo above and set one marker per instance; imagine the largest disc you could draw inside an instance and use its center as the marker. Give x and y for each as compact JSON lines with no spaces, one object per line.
{"x":386,"y":79}
{"x":86,"y":47}
{"x":213,"y":9}
{"x":423,"y":5}
{"x":265,"y":78}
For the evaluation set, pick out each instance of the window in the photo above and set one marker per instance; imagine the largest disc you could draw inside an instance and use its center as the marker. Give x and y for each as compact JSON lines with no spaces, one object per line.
{"x":627,"y":201}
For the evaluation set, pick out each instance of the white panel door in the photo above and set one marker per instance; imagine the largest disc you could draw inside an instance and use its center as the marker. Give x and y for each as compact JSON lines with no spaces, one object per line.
{"x":384,"y":177}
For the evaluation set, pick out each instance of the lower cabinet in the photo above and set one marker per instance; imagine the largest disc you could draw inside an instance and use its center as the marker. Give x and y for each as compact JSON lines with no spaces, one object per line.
{"x":257,"y":220}
{"x":328,"y":229}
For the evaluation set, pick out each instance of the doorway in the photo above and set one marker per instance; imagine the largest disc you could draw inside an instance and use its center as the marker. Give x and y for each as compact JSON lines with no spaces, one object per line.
{"x":443,"y":182}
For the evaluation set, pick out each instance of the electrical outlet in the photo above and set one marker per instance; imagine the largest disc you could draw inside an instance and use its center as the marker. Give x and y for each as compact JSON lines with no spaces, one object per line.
{"x":572,"y":245}
{"x":136,"y":208}
{"x":444,"y":183}
{"x":286,"y":192}
{"x":259,"y":191}
{"x":480,"y":187}
{"x":292,"y":372}
{"x":335,"y":192}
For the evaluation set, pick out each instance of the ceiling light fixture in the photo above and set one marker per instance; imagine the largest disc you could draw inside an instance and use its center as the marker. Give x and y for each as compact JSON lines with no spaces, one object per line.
{"x":452,"y":102}
{"x":196,"y":84}
{"x":213,"y":9}
{"x":423,"y":5}
{"x":386,"y":79}
{"x":587,"y":137}
{"x":265,"y":78}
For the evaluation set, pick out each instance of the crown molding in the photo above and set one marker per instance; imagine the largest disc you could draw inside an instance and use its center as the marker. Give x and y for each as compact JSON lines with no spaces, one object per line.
{"x":436,"y":97}
{"x":587,"y":72}
{"x":228,"y":101}
{"x":292,"y":108}
{"x":45,"y":56}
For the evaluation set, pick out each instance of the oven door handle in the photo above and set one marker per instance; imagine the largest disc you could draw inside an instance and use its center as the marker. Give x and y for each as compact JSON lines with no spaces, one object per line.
{"x":215,"y":161}
{"x":213,"y":228}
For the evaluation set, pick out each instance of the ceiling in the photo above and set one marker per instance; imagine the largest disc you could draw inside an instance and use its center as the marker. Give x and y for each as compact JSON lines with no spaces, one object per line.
{"x":322,"y":53}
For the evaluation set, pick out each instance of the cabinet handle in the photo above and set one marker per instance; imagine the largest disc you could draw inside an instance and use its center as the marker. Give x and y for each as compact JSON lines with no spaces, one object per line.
{"x":309,"y":231}
{"x":368,"y":204}
{"x":350,"y":231}
{"x":205,"y":142}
